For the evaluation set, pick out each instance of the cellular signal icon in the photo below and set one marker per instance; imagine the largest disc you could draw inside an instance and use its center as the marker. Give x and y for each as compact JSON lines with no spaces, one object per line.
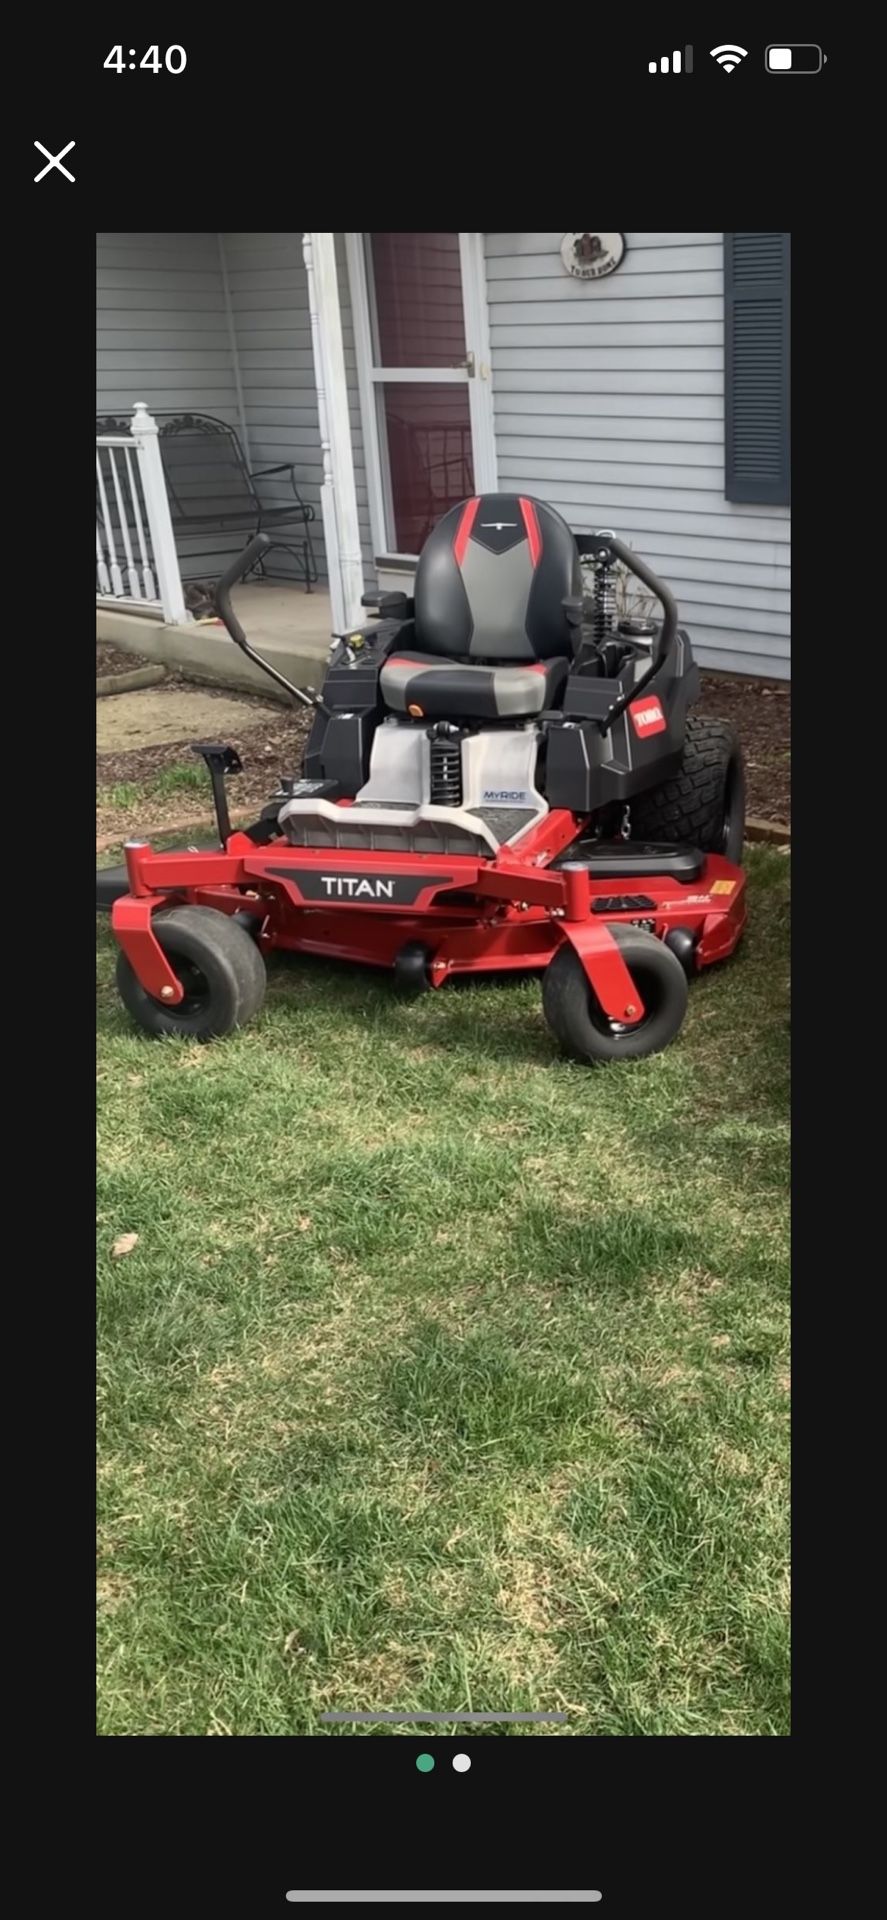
{"x":676,"y":62}
{"x":728,"y":57}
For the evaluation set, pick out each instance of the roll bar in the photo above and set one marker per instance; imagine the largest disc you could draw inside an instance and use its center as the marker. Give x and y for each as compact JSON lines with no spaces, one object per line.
{"x":607,"y":543}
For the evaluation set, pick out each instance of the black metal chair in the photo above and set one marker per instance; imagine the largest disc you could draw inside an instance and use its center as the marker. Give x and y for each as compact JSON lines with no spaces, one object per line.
{"x":211,"y":488}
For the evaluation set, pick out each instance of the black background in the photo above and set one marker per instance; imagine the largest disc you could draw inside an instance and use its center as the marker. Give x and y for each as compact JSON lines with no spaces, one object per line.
{"x":432,"y":117}
{"x":282,"y":110}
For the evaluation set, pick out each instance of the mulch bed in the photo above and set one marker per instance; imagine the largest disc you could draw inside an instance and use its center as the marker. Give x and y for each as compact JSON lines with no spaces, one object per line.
{"x":263,"y":739}
{"x":760,"y":710}
{"x":268,"y":746}
{"x":110,"y":659}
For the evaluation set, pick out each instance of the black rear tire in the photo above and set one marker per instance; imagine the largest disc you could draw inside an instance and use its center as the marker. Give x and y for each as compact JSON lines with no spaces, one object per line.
{"x":219,"y":965}
{"x":579,"y":1023}
{"x":703,"y":804}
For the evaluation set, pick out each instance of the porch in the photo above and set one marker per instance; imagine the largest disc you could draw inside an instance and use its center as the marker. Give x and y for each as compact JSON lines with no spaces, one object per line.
{"x":267,"y":338}
{"x":291,"y":628}
{"x":224,"y":331}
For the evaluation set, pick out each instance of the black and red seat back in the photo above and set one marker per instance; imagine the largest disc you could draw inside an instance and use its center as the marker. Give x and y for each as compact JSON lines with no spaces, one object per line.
{"x":491,"y":582}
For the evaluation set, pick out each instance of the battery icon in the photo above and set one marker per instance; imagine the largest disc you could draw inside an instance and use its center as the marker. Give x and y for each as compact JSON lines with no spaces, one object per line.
{"x":800,"y":58}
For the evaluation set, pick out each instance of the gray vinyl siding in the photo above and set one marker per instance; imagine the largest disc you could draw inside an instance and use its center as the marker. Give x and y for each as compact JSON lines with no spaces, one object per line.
{"x":164,"y":336}
{"x":269,"y":299}
{"x":609,"y":403}
{"x":162,"y":333}
{"x":272,"y":329}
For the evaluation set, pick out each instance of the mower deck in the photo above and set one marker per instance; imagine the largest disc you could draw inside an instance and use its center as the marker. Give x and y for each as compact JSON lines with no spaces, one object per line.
{"x":469,"y":914}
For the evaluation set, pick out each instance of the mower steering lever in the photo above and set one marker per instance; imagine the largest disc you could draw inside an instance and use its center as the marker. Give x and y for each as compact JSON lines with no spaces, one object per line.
{"x":222,"y":596}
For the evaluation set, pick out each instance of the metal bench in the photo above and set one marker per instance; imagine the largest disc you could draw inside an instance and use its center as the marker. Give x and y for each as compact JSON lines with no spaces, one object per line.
{"x":211,"y":488}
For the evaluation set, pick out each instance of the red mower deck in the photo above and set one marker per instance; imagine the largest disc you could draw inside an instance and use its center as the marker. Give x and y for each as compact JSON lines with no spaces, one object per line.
{"x":473,"y":916}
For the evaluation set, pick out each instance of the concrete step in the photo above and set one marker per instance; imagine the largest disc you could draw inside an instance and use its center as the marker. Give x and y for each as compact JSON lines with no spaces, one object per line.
{"x":291,"y":628}
{"x":128,"y":682}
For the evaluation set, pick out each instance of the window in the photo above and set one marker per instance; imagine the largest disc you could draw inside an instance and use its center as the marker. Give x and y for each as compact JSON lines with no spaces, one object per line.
{"x":426,"y":435}
{"x":419,"y":369}
{"x":757,"y":367}
{"x":417,"y":283}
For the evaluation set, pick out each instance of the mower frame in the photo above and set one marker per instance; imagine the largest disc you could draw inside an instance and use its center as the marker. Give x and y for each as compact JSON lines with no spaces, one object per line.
{"x":472,"y":915}
{"x":430,"y":915}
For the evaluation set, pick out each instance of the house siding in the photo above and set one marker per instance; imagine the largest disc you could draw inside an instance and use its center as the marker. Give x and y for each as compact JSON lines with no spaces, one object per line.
{"x":609,"y":403}
{"x":164,"y":336}
{"x":162,"y":331}
{"x":269,"y":299}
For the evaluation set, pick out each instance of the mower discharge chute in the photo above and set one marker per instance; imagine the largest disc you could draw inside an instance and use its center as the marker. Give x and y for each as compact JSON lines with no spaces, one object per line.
{"x":500,"y":774}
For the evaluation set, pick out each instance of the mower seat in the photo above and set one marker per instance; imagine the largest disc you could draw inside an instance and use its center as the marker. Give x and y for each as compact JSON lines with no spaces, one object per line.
{"x":427,"y":688}
{"x":491,"y":632}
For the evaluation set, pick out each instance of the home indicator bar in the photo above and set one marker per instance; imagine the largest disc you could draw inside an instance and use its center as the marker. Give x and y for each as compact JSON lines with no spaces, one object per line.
{"x":296,"y":1895}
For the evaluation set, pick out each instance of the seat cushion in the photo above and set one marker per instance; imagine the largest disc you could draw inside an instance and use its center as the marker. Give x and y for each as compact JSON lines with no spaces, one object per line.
{"x":428,"y":688}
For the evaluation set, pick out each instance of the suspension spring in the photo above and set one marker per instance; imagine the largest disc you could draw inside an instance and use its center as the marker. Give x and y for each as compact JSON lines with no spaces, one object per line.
{"x":445,"y":782}
{"x":603,"y":618}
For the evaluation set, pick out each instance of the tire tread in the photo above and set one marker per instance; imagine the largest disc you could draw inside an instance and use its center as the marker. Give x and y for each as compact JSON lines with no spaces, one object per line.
{"x":205,"y":936}
{"x":688,"y":808}
{"x":565,"y":1001}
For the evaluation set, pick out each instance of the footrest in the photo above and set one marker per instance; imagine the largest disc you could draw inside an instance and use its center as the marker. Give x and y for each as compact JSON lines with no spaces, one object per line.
{"x":623,"y":859}
{"x":506,"y":823}
{"x":397,"y":828}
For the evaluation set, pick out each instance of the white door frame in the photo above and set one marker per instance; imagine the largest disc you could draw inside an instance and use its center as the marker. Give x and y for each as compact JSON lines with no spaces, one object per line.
{"x":477,"y":377}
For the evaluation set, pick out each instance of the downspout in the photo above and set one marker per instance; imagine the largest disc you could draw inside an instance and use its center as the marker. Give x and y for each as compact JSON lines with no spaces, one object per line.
{"x":338,"y":493}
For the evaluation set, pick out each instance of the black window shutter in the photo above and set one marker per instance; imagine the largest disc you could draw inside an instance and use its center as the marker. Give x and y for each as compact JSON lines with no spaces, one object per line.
{"x":757,"y":367}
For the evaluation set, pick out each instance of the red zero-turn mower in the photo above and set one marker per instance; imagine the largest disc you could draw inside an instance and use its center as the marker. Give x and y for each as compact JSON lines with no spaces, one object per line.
{"x":500,"y":774}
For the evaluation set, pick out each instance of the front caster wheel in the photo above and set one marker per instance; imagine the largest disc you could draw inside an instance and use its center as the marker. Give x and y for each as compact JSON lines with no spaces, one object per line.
{"x":411,"y":968}
{"x":578,"y":1021}
{"x":219,"y":965}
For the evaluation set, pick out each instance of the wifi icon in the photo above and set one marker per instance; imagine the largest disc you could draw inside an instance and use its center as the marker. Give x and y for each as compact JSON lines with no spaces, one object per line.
{"x":728,"y":57}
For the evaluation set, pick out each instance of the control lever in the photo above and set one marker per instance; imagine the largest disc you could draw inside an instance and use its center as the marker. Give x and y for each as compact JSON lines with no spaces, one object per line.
{"x":222,"y":595}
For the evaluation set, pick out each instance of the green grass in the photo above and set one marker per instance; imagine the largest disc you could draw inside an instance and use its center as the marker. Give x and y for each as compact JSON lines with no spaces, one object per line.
{"x":122,"y":794}
{"x":444,"y":1372}
{"x":178,"y":779}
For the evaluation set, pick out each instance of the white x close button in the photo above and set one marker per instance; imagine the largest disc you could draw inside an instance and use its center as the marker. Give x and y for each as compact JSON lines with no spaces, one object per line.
{"x":54,"y":160}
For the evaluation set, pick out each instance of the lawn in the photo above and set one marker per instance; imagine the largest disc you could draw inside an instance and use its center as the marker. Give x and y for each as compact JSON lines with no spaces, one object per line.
{"x":444,"y":1373}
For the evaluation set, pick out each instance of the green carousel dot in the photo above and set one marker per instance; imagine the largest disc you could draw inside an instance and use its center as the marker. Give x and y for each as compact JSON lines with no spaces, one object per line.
{"x":425,"y":1762}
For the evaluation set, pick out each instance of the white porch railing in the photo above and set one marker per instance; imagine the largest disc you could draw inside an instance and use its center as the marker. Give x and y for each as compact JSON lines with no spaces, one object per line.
{"x":136,"y":563}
